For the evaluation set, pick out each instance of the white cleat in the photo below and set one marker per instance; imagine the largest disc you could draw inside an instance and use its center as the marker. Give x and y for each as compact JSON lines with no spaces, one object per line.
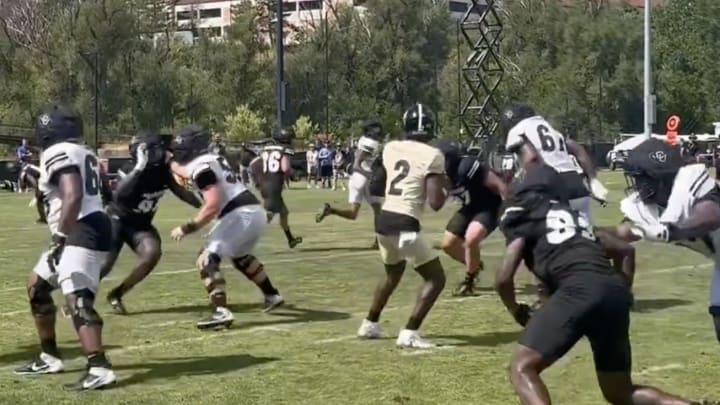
{"x":369,"y":330}
{"x":411,"y":339}
{"x":95,"y":378}
{"x":220,"y":318}
{"x":272,"y":301}
{"x":43,"y":364}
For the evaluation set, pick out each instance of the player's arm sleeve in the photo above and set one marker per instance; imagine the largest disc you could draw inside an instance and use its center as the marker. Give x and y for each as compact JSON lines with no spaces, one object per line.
{"x":437,"y":164}
{"x":204,"y":177}
{"x":471,"y":172}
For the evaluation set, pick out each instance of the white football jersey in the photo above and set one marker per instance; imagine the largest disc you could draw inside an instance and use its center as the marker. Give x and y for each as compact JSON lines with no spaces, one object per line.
{"x":549,"y":142}
{"x":230,"y":186}
{"x":691,"y":183}
{"x":311,"y":157}
{"x":61,"y":156}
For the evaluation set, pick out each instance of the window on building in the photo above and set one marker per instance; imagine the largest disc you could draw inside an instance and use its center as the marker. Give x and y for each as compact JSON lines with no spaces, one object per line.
{"x":458,"y":7}
{"x":289,"y":6}
{"x":211,"y":13}
{"x":186,"y":15}
{"x":311,"y":5}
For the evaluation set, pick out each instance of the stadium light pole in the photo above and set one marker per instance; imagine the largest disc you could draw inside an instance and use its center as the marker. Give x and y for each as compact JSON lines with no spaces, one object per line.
{"x":649,"y":99}
{"x":280,"y":63}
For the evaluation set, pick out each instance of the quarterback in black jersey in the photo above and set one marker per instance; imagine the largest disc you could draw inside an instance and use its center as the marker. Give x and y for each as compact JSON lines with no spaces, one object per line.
{"x":587,"y":296}
{"x":270,"y":172}
{"x":133,"y":207}
{"x":480,"y":191}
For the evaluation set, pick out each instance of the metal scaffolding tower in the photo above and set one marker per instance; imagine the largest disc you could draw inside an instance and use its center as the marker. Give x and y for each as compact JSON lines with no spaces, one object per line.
{"x":482,"y":71}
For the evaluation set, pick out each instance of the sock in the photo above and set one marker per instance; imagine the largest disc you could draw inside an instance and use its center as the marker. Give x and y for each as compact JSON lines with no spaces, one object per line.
{"x":288,"y":235}
{"x":413,"y":323}
{"x":267,"y":287}
{"x":373,"y":316}
{"x":715,"y":312}
{"x":98,"y":359}
{"x":49,"y":346}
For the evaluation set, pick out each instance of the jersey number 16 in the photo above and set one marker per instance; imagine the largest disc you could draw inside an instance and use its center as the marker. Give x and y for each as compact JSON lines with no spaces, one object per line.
{"x":271,"y":161}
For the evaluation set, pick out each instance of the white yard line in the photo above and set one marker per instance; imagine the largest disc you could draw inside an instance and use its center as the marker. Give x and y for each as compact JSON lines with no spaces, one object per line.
{"x":655,"y":369}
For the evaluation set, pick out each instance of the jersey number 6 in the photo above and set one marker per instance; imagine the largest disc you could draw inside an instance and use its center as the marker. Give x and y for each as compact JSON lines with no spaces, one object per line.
{"x":92,"y":176}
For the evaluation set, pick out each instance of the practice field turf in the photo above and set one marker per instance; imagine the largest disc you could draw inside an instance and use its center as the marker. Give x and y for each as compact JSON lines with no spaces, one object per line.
{"x":306,"y":352}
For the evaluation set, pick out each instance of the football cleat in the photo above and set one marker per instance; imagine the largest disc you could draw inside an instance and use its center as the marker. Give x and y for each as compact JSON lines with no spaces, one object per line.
{"x":43,"y":364}
{"x":295,"y":241}
{"x":325,"y":211}
{"x":369,"y":330}
{"x":375,"y":245}
{"x":411,"y":339}
{"x":272,"y":302}
{"x":95,"y":378}
{"x":220,"y":318}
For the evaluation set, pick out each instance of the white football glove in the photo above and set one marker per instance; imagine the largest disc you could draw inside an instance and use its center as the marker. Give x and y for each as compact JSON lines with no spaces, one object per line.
{"x":655,"y":233}
{"x":142,"y":157}
{"x":598,"y":189}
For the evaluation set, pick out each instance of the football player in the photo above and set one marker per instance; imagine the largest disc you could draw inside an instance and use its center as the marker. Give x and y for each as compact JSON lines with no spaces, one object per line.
{"x":674,"y":203}
{"x":132,"y":208}
{"x":524,"y":127}
{"x":588,"y":297}
{"x":416,"y":173}
{"x":339,"y":167}
{"x":312,"y":171}
{"x":367,"y":152}
{"x":270,"y":173}
{"x":240,"y":223}
{"x":70,"y":182}
{"x":481,"y":192}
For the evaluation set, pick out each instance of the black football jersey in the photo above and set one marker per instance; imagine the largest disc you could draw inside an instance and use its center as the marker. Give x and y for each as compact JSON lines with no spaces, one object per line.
{"x":139,"y":201}
{"x":271,"y":168}
{"x":469,"y":185}
{"x":559,"y":242}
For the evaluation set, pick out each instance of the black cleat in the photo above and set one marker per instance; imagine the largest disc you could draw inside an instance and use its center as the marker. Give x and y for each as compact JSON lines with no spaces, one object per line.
{"x":295,"y":241}
{"x":42,"y":364}
{"x":325,"y":211}
{"x":467,"y":287}
{"x":219,"y":319}
{"x":114,"y":298}
{"x":95,"y":378}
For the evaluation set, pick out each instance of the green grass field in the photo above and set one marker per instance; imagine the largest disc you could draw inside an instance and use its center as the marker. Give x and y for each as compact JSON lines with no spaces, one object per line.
{"x":306,"y":352}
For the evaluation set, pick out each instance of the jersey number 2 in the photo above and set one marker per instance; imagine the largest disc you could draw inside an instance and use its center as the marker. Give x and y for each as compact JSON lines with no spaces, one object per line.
{"x":404,"y":168}
{"x":92,"y":176}
{"x":561,"y":226}
{"x":547,"y":141}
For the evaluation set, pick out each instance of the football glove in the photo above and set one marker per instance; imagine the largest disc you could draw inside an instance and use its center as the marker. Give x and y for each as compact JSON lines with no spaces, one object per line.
{"x":522,"y":314}
{"x":142,"y":157}
{"x":656,"y":232}
{"x":56,"y":250}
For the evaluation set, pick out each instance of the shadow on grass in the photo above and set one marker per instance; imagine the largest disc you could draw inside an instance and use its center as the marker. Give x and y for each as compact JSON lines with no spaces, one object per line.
{"x":489,"y":339}
{"x":27,"y":352}
{"x":657,"y":304}
{"x":285,"y":315}
{"x":171,"y":368}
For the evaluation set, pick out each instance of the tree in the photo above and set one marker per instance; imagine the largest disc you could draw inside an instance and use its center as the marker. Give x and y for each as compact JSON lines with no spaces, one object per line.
{"x":244,"y":125}
{"x":305,"y":128}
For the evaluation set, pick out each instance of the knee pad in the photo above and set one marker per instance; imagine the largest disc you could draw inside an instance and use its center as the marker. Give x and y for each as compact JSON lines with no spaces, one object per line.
{"x":82,"y":309}
{"x":41,"y":302}
{"x":249,"y":265}
{"x":209,"y":265}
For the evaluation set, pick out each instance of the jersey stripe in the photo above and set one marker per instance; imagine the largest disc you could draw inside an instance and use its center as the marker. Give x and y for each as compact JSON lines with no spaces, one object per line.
{"x":473,"y":170}
{"x":48,"y":165}
{"x":60,"y":156}
{"x":698,"y":183}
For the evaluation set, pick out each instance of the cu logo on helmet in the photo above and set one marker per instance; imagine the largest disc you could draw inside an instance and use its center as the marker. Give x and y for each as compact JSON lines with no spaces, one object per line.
{"x":658,"y":156}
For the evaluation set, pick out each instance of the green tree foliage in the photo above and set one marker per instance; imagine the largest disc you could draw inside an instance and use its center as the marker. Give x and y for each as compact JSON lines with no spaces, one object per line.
{"x":580,"y":66}
{"x":243,"y":125}
{"x":305,"y":128}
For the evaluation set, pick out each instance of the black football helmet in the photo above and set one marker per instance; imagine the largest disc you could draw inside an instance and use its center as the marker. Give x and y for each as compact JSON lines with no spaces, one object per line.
{"x":513,"y":115}
{"x":155,"y":144}
{"x":419,"y":123}
{"x":190,"y":142}
{"x":283,"y":136}
{"x":372,"y":129}
{"x":57,"y":123}
{"x":650,"y":169}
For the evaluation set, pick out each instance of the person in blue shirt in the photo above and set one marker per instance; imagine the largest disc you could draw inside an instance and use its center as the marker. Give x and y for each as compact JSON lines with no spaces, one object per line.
{"x":325,"y":162}
{"x":24,"y":155}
